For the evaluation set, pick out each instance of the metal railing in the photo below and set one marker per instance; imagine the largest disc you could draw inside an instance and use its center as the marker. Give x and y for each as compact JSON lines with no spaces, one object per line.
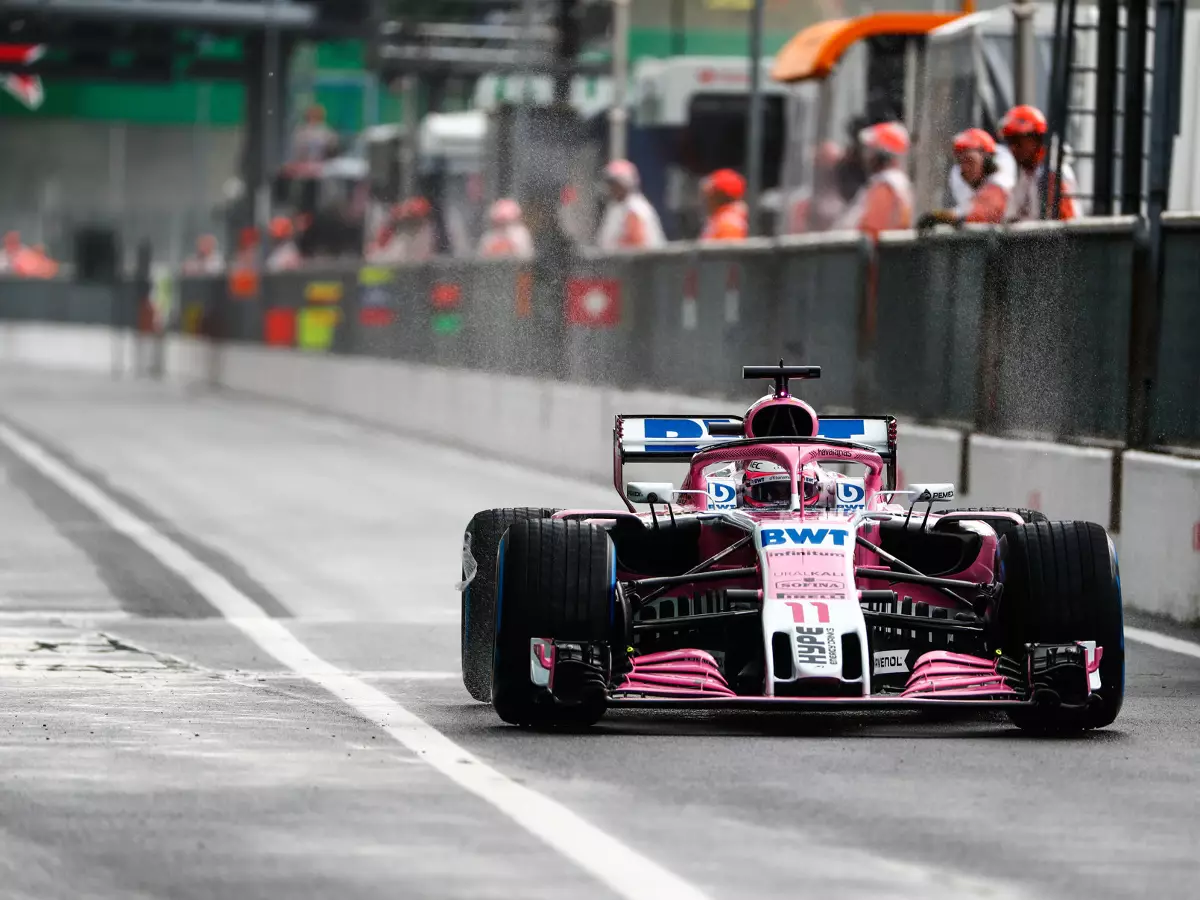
{"x":1027,"y":330}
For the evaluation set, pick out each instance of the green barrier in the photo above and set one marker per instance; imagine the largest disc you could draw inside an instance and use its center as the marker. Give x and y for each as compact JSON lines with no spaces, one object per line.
{"x":1175,"y":394}
{"x":1059,"y":332}
{"x":928,"y":308}
{"x":1016,"y":330}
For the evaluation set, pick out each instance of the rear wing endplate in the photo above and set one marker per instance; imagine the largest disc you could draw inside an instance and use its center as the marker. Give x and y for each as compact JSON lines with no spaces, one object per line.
{"x":661,"y":438}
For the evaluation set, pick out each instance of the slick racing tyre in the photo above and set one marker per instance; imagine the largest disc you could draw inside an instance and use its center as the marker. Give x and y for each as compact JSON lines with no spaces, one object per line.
{"x":1002,"y":525}
{"x":1062,"y":585}
{"x":557,"y":583}
{"x":480,"y":544}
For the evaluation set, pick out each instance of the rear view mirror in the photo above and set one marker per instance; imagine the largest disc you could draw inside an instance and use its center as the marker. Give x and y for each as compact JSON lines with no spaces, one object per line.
{"x":649,"y":491}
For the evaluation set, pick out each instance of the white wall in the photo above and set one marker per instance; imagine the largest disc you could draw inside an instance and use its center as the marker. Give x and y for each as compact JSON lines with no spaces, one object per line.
{"x":1160,"y":539}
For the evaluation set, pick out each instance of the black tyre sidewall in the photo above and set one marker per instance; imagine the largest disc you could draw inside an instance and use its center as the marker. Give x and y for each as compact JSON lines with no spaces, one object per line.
{"x":478,"y":611}
{"x":557,"y":581}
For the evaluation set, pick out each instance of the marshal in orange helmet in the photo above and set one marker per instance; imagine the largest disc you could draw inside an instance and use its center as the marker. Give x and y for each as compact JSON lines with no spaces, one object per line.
{"x":975,"y":153}
{"x":1038,"y":190}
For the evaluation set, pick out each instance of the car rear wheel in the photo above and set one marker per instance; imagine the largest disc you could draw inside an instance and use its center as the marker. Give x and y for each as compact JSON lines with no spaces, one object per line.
{"x":480,"y":545}
{"x":1062,"y":585}
{"x":555,"y":612}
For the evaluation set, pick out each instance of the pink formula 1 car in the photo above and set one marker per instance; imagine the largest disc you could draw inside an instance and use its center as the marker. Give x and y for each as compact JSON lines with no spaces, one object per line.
{"x":785,"y":572}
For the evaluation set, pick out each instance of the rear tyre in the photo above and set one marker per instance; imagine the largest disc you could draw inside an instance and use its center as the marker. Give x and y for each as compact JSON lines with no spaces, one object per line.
{"x":482,"y":541}
{"x":1061,"y":585}
{"x":1002,"y":525}
{"x":557,"y":583}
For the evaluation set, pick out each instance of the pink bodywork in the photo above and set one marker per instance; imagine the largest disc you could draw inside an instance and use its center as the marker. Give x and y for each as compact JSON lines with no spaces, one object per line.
{"x":694,"y":675}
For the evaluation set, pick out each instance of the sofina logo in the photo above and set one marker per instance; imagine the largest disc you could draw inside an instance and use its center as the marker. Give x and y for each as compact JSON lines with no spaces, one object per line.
{"x":774,"y":537}
{"x":722,"y":494}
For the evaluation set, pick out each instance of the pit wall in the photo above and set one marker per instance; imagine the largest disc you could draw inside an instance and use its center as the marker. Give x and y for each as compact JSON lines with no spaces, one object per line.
{"x":567,"y":429}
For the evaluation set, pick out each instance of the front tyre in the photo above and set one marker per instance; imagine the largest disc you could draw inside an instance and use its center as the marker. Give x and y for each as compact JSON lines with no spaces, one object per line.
{"x":555,"y":614}
{"x":481,"y":542}
{"x":1062,"y":585}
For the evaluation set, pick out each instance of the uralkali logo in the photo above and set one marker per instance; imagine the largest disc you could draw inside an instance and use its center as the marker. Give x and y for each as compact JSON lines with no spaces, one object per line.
{"x":888,"y":662}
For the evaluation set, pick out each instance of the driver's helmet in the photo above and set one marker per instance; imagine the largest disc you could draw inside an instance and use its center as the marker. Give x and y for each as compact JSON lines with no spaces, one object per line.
{"x":767,"y":485}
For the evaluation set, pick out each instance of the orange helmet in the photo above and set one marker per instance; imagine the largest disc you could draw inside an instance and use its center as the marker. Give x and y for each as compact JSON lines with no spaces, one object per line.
{"x":281,"y":228}
{"x":727,"y":182}
{"x":886,"y":137}
{"x":1023,"y":120}
{"x":974,"y":139}
{"x":414,"y":208}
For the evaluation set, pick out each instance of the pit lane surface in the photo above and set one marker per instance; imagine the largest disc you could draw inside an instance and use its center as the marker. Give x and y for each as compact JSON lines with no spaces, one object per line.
{"x":149,"y":747}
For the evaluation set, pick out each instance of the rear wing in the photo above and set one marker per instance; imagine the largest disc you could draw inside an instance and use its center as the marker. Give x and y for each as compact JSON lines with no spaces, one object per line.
{"x":651,"y":438}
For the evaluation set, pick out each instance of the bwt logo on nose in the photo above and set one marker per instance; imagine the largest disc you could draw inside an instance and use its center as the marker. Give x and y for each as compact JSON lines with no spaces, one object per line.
{"x":819,"y":536}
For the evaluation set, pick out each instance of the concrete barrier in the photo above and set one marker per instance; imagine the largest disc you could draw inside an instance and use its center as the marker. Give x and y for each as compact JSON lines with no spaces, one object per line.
{"x":928,"y":455}
{"x":567,"y":429}
{"x":77,"y":347}
{"x":1160,"y":535}
{"x":1064,"y":482}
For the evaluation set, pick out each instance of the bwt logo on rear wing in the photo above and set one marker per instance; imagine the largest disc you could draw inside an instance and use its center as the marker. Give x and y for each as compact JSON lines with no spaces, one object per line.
{"x":672,"y":438}
{"x":677,"y":438}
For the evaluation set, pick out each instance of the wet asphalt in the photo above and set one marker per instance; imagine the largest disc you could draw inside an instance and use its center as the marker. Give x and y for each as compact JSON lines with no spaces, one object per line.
{"x":149,"y":749}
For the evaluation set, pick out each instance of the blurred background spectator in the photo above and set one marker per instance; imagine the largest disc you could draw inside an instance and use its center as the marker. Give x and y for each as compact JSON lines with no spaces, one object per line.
{"x":206,"y":260}
{"x":284,"y":254}
{"x":885,"y":201}
{"x":630,"y":222}
{"x":728,"y":219}
{"x":507,"y":235}
{"x":818,"y":208}
{"x":986,"y":195}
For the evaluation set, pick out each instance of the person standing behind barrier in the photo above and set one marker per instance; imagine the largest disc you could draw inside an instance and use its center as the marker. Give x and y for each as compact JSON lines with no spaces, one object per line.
{"x":206,"y":260}
{"x":975,"y":151}
{"x":630,"y":222}
{"x":1037,"y":189}
{"x":885,"y":202}
{"x":408,"y":236}
{"x":507,"y":236}
{"x":728,"y":218}
{"x":963,"y":194}
{"x":284,"y":255}
{"x":16,"y":258}
{"x":383,"y":248}
{"x":243,"y":270}
{"x":818,"y":208}
{"x":313,"y":141}
{"x":422,"y":240}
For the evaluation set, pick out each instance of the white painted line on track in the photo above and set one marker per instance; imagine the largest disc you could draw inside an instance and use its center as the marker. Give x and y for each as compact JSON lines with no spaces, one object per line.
{"x":623,"y":869}
{"x":366,"y":674}
{"x":1163,"y":641}
{"x":71,"y":616}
